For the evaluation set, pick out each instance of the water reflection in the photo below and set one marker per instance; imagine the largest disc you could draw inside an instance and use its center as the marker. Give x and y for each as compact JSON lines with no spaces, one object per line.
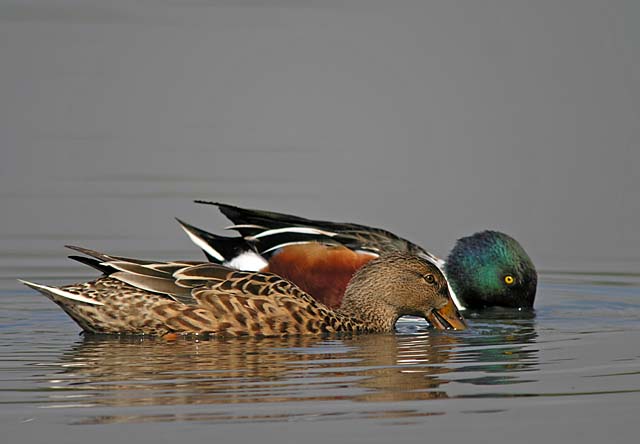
{"x":255,"y":369}
{"x":315,"y":374}
{"x":405,"y":367}
{"x":500,"y":347}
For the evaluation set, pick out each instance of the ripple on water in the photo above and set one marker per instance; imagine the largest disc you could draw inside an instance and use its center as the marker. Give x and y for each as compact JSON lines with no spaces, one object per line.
{"x":507,"y":360}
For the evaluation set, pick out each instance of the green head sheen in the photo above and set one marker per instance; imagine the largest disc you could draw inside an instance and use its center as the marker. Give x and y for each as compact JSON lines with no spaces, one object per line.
{"x":491,"y":269}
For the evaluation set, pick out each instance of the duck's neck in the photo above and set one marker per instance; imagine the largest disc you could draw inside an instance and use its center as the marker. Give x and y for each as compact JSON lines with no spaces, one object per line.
{"x":369,"y":311}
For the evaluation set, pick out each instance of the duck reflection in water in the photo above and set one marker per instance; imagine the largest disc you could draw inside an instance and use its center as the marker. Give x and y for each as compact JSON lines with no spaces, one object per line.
{"x":502,"y":345}
{"x":311,"y":372}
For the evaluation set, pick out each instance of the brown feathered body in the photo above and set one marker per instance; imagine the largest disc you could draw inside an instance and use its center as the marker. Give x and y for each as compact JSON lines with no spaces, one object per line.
{"x":241,"y":304}
{"x":145,"y":297}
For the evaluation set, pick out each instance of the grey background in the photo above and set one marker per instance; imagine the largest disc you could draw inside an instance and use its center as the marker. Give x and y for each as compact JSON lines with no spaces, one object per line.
{"x":432,"y":119}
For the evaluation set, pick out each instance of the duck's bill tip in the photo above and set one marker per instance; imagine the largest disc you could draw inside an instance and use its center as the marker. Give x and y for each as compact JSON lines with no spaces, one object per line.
{"x":447,"y":318}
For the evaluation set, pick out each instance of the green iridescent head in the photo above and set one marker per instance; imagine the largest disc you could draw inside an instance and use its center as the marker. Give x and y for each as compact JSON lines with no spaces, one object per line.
{"x":491,"y":269}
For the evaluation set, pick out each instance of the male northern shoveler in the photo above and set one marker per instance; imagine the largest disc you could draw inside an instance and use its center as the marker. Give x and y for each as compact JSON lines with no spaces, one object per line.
{"x":145,"y":297}
{"x":486,"y":269}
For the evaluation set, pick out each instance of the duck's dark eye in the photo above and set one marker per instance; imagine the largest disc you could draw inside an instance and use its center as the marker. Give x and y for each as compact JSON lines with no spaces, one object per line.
{"x":509,"y":280}
{"x":429,"y":279}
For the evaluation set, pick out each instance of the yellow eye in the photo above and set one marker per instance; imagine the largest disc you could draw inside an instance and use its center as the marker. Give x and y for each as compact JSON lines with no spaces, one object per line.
{"x":509,"y":280}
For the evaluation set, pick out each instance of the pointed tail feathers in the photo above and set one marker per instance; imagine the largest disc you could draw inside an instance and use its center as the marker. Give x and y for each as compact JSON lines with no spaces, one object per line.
{"x":57,"y":294}
{"x":234,"y":252}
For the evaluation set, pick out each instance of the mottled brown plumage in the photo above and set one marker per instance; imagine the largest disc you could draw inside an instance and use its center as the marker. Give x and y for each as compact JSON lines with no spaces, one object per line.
{"x":143,"y":297}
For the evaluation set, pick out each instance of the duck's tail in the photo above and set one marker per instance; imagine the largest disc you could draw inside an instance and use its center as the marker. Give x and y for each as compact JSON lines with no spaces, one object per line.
{"x":234,"y":252}
{"x":58,"y":294}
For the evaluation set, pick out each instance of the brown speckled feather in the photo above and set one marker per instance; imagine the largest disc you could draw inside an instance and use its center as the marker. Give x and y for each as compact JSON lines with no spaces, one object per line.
{"x":146,"y":297}
{"x":204,"y":298}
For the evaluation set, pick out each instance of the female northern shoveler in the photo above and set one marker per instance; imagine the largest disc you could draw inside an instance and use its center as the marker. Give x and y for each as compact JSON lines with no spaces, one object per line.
{"x":486,"y":269}
{"x":145,"y":297}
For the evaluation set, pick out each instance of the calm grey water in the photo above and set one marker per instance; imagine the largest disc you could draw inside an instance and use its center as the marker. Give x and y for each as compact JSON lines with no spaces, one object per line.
{"x":431,"y":119}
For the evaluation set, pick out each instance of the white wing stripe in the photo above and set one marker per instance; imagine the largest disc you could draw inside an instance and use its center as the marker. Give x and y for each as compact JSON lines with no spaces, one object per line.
{"x":240,"y":226}
{"x":285,"y":245}
{"x":202,"y":244}
{"x":300,"y":230}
